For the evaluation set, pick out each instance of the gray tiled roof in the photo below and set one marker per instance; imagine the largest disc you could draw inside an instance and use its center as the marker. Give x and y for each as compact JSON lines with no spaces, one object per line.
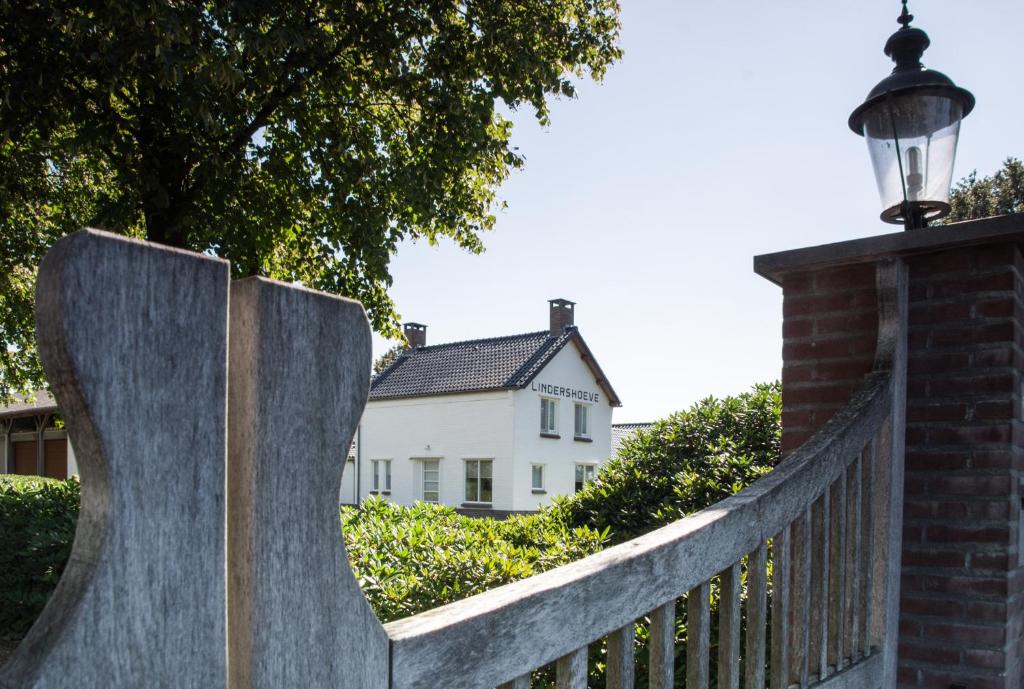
{"x":474,"y":365}
{"x":623,"y":431}
{"x":39,"y":402}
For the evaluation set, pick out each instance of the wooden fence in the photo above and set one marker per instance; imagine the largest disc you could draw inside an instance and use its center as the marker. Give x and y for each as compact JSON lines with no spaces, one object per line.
{"x":185,"y":410}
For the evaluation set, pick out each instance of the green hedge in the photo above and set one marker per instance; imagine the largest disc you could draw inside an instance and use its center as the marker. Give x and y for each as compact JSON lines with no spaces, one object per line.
{"x":411,"y":559}
{"x":407,"y":559}
{"x":682,"y":464}
{"x":38,"y":517}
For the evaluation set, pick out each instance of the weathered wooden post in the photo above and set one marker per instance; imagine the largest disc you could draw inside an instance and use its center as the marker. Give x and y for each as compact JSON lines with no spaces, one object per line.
{"x":134,"y":341}
{"x":158,"y":593}
{"x":300,"y":371}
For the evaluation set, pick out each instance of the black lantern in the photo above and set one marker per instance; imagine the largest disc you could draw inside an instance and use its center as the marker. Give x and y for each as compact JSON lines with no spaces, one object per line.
{"x":911,"y":121}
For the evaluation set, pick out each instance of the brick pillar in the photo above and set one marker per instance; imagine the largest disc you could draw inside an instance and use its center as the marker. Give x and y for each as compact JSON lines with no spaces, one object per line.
{"x":962,"y":599}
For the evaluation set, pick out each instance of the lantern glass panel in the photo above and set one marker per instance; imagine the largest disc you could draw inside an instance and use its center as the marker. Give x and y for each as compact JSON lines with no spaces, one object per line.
{"x":926,"y":127}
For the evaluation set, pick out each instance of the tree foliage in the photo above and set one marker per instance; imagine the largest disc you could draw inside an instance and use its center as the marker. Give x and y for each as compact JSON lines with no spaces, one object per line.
{"x":682,"y":464}
{"x":998,"y":194}
{"x":39,"y":517}
{"x":388,"y":357}
{"x":300,"y":140}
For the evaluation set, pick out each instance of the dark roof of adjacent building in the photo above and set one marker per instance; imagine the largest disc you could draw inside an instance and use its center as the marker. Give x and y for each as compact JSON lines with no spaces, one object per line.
{"x":494,"y":363}
{"x":39,"y":402}
{"x":623,"y":431}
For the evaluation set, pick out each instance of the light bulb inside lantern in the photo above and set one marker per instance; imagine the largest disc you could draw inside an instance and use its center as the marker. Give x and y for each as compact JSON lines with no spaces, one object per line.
{"x":915,"y":179}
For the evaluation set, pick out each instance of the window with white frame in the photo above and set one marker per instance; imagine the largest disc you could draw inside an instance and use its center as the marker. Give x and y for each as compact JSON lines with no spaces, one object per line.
{"x":584,"y":473}
{"x":380,"y":480}
{"x":548,"y":416}
{"x":537,"y":477}
{"x":581,"y":426}
{"x":479,"y":481}
{"x":431,"y":480}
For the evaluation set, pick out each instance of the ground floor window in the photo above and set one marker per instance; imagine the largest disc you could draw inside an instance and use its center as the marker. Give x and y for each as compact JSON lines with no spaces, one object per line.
{"x":584,"y":473}
{"x":479,"y":481}
{"x":537,"y":477}
{"x":431,"y":480}
{"x":381,"y":475}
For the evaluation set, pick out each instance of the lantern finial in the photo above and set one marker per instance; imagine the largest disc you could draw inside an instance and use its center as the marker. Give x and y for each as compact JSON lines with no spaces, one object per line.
{"x":906,"y":17}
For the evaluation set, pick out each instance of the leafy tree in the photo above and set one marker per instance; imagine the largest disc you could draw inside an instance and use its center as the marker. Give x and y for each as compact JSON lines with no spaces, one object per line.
{"x":300,"y":140}
{"x":682,"y":464}
{"x":999,"y":194}
{"x":388,"y":357}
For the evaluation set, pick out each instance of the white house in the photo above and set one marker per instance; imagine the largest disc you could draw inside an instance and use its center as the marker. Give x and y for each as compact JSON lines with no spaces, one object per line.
{"x":493,"y":425}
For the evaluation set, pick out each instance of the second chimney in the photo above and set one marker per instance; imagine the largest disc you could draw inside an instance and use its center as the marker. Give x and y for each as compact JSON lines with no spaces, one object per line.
{"x":416,"y":334}
{"x":561,"y":315}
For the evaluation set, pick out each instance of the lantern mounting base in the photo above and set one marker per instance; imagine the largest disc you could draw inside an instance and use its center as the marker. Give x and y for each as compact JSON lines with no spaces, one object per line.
{"x":915,"y":215}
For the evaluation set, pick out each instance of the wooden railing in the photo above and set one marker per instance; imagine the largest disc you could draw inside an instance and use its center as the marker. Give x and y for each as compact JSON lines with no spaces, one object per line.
{"x":175,"y":428}
{"x":827,"y":518}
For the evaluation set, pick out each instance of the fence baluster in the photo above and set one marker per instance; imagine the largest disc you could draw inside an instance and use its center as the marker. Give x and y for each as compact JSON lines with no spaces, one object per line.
{"x":698,"y":635}
{"x":757,"y":608}
{"x":621,"y":666}
{"x":571,"y":670}
{"x":800,"y":599}
{"x":819,"y":587}
{"x":662,"y":646}
{"x":780,"y":609}
{"x":866,"y":564}
{"x":837,"y":568}
{"x":729,"y":628}
{"x":853,"y":559}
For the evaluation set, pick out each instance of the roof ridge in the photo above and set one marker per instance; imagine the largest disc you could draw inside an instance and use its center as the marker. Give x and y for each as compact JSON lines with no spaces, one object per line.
{"x":476,"y":341}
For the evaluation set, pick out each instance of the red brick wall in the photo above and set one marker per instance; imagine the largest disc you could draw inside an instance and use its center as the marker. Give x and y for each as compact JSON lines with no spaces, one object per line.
{"x":829,"y":328}
{"x":963,"y":593}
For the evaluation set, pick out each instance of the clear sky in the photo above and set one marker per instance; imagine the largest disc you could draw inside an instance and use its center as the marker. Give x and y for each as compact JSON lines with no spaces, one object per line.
{"x":720,"y":135}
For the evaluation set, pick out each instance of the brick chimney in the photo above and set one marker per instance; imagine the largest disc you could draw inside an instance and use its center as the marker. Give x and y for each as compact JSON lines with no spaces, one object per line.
{"x":561,"y":315}
{"x":416,"y":334}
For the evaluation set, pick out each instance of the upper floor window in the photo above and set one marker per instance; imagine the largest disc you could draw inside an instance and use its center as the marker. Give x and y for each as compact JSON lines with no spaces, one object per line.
{"x":479,"y":484}
{"x":548,"y":416}
{"x":584,"y":473}
{"x":581,"y":428}
{"x":381,"y":475}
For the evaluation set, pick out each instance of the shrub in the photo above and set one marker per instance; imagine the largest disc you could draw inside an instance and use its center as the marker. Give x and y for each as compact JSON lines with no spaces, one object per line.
{"x":411,"y":559}
{"x":39,"y":517}
{"x":681,"y":464}
{"x":678,"y":466}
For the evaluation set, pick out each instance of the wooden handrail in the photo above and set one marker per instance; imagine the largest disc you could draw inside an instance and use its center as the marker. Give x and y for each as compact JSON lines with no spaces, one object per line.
{"x":498,"y":635}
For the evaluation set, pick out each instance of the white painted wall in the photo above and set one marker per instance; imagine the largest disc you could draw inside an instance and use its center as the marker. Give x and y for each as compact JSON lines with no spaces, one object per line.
{"x":451,"y":428}
{"x":72,"y":461}
{"x":558,"y":455}
{"x":503,"y":426}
